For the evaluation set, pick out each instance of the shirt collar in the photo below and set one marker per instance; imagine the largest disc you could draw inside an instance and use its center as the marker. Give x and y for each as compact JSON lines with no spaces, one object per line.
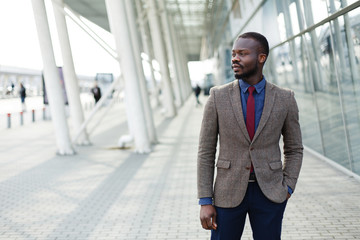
{"x":258,"y":87}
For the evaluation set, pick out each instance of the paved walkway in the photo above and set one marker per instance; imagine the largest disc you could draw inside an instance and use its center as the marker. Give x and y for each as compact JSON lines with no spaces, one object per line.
{"x":107,"y":193}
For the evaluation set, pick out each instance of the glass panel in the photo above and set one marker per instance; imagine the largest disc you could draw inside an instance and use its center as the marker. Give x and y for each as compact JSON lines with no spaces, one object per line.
{"x":285,"y":75}
{"x":328,"y":98}
{"x":294,"y":20}
{"x":315,"y":11}
{"x":323,"y":68}
{"x":349,"y":2}
{"x":304,"y":93}
{"x":354,"y":57}
{"x":282,"y":65}
{"x":333,"y":6}
{"x":348,"y":71}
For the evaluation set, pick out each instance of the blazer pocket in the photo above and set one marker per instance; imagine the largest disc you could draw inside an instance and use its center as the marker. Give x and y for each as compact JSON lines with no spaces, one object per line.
{"x":275,"y":165}
{"x":223,"y":164}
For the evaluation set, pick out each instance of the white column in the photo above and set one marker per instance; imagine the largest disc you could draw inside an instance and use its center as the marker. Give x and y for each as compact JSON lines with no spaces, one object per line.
{"x":146,"y":45}
{"x":135,"y":114}
{"x":71,"y":81}
{"x":160,"y":55}
{"x":140,"y":72}
{"x":183,"y":62}
{"x":180,"y":67}
{"x":171,"y":51}
{"x":52,"y":80}
{"x":186,"y":71}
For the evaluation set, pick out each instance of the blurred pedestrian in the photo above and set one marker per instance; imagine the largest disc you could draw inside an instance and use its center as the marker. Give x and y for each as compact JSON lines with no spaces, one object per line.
{"x":248,"y":117}
{"x":22,"y":93}
{"x":96,"y":91}
{"x":12,"y":88}
{"x":197,"y":91}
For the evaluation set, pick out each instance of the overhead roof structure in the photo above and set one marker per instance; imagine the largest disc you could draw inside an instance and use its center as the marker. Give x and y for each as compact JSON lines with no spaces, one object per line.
{"x":191,"y":18}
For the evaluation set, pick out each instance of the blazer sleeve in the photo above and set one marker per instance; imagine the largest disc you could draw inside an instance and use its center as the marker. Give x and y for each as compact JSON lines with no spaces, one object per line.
{"x":207,"y":148}
{"x":293,"y":148}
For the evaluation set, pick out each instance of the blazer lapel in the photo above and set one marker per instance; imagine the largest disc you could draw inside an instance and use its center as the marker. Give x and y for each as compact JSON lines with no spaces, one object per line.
{"x":268,"y":105}
{"x":235,"y":98}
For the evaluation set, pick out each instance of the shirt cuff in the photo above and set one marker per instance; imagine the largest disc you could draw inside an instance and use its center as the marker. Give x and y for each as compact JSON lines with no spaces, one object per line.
{"x":205,"y":201}
{"x":290,"y":191}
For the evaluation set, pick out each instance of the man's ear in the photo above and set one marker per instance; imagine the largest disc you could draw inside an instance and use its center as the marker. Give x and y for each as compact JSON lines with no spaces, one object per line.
{"x":262,"y":57}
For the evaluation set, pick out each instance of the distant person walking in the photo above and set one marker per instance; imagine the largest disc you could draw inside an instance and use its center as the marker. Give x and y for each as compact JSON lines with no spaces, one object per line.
{"x":96,"y":92}
{"x":12,"y":88}
{"x":197,"y":91}
{"x":22,"y":93}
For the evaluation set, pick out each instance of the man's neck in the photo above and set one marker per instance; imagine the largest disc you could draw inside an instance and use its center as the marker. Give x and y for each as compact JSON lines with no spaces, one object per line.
{"x":253,"y":80}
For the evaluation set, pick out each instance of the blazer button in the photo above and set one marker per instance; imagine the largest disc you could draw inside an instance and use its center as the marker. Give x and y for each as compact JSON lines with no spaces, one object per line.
{"x":251,"y":149}
{"x":247,"y":168}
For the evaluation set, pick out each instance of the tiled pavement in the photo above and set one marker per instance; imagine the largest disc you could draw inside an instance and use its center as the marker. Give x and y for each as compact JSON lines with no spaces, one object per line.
{"x":107,"y":193}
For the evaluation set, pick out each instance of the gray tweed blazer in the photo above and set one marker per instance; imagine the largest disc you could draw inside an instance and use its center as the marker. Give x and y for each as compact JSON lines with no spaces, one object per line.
{"x":223,"y":119}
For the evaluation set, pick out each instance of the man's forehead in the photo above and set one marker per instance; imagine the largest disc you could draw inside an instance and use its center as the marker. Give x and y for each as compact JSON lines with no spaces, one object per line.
{"x":245,"y":43}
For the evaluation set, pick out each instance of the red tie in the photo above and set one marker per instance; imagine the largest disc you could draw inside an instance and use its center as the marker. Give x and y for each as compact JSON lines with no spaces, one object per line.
{"x":250,"y":116}
{"x":250,"y":113}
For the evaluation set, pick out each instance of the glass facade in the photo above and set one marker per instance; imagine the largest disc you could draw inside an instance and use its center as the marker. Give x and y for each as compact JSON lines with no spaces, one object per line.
{"x":315,"y":51}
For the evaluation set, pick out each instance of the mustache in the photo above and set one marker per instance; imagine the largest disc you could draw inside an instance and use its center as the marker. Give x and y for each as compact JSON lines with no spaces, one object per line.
{"x":237,"y":64}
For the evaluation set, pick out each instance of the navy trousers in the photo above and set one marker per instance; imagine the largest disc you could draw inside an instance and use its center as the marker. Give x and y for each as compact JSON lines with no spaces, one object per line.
{"x":265,"y":217}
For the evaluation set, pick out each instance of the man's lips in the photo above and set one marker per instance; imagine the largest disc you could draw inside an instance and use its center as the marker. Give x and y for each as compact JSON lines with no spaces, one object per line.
{"x":236,"y":67}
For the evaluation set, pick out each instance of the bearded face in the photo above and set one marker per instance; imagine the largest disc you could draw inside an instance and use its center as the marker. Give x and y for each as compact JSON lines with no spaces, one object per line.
{"x":244,"y":60}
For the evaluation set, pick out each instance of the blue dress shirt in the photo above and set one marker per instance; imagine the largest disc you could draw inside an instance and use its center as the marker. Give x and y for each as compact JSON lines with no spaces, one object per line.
{"x":259,"y":97}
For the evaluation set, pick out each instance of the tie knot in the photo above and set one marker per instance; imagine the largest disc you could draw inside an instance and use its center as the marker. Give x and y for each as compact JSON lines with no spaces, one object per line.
{"x":251,"y":89}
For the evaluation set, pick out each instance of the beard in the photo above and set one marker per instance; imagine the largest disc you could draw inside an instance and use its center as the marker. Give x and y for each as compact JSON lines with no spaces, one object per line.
{"x":248,"y":73}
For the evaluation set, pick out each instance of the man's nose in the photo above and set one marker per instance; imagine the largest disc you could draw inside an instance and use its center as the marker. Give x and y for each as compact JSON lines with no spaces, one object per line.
{"x":235,"y":58}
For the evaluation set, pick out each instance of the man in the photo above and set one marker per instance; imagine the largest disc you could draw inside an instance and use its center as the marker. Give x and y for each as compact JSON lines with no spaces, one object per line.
{"x":197,"y":91}
{"x":96,"y":92}
{"x":22,"y":93}
{"x":249,"y":115}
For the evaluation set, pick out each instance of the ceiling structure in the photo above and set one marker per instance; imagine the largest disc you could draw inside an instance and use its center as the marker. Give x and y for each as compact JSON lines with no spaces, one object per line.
{"x":192,"y":18}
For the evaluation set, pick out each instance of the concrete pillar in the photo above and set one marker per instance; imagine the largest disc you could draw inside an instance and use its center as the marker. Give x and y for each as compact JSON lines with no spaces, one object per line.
{"x":146,"y":47}
{"x":52,"y":80}
{"x":179,"y":65}
{"x":165,"y":19}
{"x":140,"y":72}
{"x":71,"y":81}
{"x":186,"y":71}
{"x":136,"y":118}
{"x":161,"y":57}
{"x":184,"y":63}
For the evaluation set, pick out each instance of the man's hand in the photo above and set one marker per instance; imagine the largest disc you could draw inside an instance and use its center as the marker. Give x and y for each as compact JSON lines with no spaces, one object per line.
{"x":288,"y":196}
{"x":208,"y":217}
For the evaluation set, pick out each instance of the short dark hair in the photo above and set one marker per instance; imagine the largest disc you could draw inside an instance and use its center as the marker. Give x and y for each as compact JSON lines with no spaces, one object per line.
{"x":259,"y":38}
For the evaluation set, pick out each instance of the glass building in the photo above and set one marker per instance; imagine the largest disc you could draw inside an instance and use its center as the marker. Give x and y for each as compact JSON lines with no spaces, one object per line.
{"x":315,"y":51}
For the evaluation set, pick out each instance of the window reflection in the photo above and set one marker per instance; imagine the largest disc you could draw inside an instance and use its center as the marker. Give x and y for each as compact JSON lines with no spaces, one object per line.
{"x":322,"y":66}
